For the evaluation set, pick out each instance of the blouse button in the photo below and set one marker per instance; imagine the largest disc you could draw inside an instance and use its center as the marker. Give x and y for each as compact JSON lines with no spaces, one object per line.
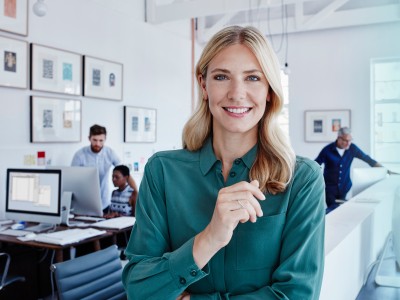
{"x":232,"y":174}
{"x":182,"y":280}
{"x":193,"y":273}
{"x":237,"y":161}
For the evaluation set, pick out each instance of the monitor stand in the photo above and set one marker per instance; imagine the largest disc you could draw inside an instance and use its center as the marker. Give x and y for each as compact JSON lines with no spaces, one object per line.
{"x":40,"y":227}
{"x":66,"y":210}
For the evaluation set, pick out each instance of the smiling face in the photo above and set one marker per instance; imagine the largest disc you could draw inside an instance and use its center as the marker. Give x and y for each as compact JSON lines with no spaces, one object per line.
{"x":236,"y":90}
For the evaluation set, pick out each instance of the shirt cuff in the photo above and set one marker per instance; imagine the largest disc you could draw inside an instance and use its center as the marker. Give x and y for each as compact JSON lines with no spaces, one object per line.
{"x":184,"y":270}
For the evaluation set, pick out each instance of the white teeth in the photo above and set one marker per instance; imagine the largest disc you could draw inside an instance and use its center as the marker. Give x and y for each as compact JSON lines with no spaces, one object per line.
{"x":238,"y":110}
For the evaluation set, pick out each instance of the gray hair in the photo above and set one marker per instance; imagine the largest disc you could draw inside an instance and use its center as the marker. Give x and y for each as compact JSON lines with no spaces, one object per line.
{"x":343,"y":131}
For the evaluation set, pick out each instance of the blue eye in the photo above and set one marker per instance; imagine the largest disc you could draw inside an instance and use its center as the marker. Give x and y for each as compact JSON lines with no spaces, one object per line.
{"x":220,"y":77}
{"x":253,"y":78}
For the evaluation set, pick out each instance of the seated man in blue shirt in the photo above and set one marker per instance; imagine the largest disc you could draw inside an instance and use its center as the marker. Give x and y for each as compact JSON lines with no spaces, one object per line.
{"x":337,"y":158}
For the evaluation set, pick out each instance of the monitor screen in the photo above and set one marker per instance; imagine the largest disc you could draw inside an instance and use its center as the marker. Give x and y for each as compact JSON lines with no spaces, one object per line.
{"x":84,"y":183}
{"x":34,"y":195}
{"x":363,"y":178}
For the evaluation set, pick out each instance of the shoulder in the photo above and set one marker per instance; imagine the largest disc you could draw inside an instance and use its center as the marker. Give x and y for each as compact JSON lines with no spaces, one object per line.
{"x":304,"y":164}
{"x":82,"y":152}
{"x":181,"y":155}
{"x":306,"y":171}
{"x":330,"y":146}
{"x":354,"y":147}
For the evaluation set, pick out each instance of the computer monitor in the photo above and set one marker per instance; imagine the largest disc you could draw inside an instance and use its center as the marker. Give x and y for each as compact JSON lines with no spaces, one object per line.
{"x":363,"y":178}
{"x":34,"y":195}
{"x":84,"y":183}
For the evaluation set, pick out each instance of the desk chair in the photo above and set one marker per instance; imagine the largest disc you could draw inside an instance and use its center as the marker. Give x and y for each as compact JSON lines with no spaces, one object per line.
{"x":5,"y":278}
{"x":93,"y":276}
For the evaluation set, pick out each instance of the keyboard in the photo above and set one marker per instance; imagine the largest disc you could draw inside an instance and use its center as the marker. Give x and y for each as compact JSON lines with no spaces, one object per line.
{"x":14,"y":232}
{"x":116,"y":223}
{"x":68,"y":236}
{"x":88,"y":218}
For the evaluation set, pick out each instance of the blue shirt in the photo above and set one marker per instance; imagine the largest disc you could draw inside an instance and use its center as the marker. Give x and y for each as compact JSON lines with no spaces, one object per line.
{"x":279,"y":256}
{"x":337,"y":168}
{"x":103,"y":161}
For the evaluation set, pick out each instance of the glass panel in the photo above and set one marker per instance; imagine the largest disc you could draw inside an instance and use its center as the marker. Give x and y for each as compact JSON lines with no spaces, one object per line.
{"x":385,"y":105}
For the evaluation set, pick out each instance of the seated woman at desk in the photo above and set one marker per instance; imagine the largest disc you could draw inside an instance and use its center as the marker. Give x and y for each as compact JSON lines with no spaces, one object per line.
{"x":120,"y":198}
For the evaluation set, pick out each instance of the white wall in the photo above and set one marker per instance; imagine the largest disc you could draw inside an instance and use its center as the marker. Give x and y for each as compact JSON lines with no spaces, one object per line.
{"x":330,"y":70}
{"x":157,"y":74}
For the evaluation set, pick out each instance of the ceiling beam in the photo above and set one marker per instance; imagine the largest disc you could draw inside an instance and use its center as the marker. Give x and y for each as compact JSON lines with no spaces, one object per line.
{"x":178,"y":10}
{"x":324,"y":13}
{"x":343,"y":18}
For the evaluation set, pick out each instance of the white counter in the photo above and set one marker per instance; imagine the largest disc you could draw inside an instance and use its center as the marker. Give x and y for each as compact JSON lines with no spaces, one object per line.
{"x":355,"y":234}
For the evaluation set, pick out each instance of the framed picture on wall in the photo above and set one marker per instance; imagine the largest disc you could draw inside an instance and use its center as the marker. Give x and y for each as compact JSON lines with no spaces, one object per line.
{"x":102,"y":78}
{"x":14,"y":16}
{"x":140,"y":124}
{"x":323,"y":125}
{"x":55,"y":70}
{"x":14,"y":69}
{"x":55,"y":120}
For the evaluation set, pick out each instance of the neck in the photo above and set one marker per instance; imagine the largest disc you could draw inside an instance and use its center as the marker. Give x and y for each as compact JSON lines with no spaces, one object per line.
{"x":227,"y":148}
{"x":122,"y":187}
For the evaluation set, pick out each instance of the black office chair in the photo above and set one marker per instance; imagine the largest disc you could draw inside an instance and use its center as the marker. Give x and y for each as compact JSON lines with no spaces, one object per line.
{"x":7,"y":279}
{"x":93,"y":276}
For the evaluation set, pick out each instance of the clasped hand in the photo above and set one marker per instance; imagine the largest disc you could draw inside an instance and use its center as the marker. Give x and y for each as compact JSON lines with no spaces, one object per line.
{"x":236,"y":203}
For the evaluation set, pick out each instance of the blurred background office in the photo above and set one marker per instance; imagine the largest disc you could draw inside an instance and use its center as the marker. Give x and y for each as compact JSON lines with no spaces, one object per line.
{"x":340,"y":60}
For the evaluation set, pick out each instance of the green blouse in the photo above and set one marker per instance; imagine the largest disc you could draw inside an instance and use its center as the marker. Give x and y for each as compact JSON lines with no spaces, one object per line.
{"x":281,"y":256}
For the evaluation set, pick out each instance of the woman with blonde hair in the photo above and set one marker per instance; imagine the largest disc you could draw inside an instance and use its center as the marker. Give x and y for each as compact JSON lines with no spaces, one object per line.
{"x":234,"y":214}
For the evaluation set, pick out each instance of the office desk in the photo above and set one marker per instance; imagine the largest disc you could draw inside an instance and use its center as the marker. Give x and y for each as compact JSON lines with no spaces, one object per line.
{"x":33,"y":261}
{"x":59,"y":256}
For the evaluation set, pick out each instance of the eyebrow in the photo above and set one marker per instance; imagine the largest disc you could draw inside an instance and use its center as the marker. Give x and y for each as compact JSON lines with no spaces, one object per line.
{"x":218,"y":70}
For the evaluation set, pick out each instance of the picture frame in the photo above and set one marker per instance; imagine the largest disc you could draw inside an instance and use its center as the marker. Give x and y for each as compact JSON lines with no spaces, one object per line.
{"x":140,"y":124}
{"x":14,"y":67}
{"x":323,"y":125}
{"x":14,"y":16}
{"x":55,"y":120}
{"x":102,"y":78}
{"x":55,"y":70}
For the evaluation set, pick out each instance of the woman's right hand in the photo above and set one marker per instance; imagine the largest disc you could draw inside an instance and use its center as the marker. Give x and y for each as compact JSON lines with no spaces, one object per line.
{"x":236,"y":203}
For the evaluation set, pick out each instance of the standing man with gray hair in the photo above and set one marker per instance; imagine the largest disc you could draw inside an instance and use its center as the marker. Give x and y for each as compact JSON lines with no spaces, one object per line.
{"x":337,"y":158}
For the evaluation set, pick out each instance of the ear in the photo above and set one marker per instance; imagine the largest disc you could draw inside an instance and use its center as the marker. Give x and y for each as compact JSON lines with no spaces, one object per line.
{"x":203,"y":86}
{"x":269,"y":96}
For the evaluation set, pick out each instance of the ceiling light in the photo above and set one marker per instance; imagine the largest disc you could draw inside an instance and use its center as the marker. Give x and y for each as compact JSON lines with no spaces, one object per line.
{"x":39,"y":8}
{"x":286,"y":69}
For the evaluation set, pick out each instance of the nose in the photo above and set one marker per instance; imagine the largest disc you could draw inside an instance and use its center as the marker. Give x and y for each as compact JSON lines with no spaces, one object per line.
{"x":237,"y":90}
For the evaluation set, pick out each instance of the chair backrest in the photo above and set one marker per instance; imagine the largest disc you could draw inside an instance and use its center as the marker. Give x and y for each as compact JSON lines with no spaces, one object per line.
{"x":93,"y":276}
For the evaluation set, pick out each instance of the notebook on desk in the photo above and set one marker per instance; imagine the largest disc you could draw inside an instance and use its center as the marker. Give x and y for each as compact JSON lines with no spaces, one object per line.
{"x":116,"y":223}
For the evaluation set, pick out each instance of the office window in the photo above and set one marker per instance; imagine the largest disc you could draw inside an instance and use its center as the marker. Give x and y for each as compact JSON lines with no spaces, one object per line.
{"x":284,"y":116}
{"x":385,"y":111}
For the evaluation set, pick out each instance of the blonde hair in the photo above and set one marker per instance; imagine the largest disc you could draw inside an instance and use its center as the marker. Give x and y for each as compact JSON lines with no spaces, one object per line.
{"x":275,"y":161}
